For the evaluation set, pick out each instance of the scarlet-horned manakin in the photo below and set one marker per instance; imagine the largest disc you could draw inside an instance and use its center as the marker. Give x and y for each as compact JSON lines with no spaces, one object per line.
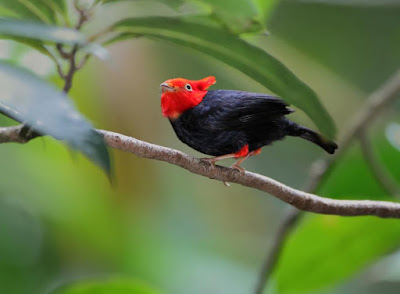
{"x":227,"y":123}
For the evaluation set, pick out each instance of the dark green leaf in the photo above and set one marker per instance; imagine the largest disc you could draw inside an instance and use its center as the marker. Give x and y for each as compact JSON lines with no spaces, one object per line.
{"x":43,"y":32}
{"x":328,"y":249}
{"x":114,"y":286}
{"x":228,"y":48}
{"x":31,"y":101}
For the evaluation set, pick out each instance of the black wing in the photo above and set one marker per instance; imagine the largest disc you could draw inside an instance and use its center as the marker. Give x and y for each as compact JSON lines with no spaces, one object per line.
{"x":236,"y":110}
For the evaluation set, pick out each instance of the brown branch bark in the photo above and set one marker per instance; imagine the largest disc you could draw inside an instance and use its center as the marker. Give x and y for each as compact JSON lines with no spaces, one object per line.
{"x":299,"y":199}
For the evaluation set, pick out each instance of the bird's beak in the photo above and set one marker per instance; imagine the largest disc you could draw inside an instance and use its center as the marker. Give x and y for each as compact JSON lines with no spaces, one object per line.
{"x":166,"y":87}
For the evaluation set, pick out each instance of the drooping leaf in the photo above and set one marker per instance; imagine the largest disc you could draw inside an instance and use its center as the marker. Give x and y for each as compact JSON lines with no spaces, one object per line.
{"x":230,"y":49}
{"x":33,"y":102}
{"x":42,"y":32}
{"x":328,"y":249}
{"x":114,"y":286}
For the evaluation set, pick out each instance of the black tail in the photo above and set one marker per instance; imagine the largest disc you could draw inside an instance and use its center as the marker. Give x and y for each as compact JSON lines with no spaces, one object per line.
{"x":310,"y":135}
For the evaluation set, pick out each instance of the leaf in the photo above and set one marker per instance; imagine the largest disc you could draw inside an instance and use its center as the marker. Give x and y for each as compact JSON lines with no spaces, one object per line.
{"x":35,"y":10}
{"x":230,"y":49}
{"x":114,"y":286}
{"x":37,"y":45}
{"x":42,"y":32}
{"x":240,"y":16}
{"x":31,"y":101}
{"x":327,"y":249}
{"x":265,"y":8}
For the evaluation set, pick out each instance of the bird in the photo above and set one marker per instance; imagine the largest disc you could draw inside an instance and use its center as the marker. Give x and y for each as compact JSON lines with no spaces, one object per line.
{"x":229,"y":123}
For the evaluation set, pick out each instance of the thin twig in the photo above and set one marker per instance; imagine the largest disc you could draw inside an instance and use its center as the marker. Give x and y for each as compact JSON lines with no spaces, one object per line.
{"x":321,"y":169}
{"x":383,"y":177}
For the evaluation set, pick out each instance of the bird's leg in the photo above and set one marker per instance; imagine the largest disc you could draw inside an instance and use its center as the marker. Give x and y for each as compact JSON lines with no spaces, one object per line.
{"x":213,"y":160}
{"x":237,"y":166}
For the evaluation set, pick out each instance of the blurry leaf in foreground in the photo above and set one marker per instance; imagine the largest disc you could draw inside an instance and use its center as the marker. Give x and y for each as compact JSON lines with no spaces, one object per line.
{"x":230,"y":49}
{"x":393,"y":135}
{"x":38,"y":31}
{"x":97,"y":50}
{"x":104,"y":286}
{"x":325,"y":250}
{"x":31,"y":101}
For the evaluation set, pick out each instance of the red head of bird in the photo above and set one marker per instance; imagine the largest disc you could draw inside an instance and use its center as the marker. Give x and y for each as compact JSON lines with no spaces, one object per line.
{"x":179,"y":95}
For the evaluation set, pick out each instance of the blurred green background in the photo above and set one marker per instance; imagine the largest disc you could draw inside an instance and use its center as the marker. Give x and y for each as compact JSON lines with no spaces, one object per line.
{"x":61,"y":220}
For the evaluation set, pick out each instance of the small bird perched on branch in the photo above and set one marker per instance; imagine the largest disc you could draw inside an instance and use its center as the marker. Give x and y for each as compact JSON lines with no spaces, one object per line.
{"x":227,"y":123}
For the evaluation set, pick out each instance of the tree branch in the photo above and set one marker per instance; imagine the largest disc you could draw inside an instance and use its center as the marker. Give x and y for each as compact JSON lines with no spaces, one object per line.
{"x":299,"y":199}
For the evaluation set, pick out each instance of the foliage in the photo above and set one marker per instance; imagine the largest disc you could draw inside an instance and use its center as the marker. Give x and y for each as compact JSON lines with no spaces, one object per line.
{"x":320,"y":254}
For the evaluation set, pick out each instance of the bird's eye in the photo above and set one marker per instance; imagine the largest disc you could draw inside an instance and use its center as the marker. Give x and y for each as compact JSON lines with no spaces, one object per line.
{"x":188,"y":87}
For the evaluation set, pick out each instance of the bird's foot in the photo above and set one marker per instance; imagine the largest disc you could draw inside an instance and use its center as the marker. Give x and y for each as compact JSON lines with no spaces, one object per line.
{"x":239,"y":168}
{"x":211,"y":161}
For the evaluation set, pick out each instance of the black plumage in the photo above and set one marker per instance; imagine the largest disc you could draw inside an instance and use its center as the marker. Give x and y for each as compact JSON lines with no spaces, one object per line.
{"x":226,"y":120}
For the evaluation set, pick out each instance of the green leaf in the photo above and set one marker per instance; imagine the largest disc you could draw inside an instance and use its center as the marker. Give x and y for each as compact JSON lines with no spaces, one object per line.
{"x":240,"y":16}
{"x":33,"y":102}
{"x":230,"y":49}
{"x":327,"y":249}
{"x":114,"y":286}
{"x":27,"y":9}
{"x":265,"y":8}
{"x":42,"y":32}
